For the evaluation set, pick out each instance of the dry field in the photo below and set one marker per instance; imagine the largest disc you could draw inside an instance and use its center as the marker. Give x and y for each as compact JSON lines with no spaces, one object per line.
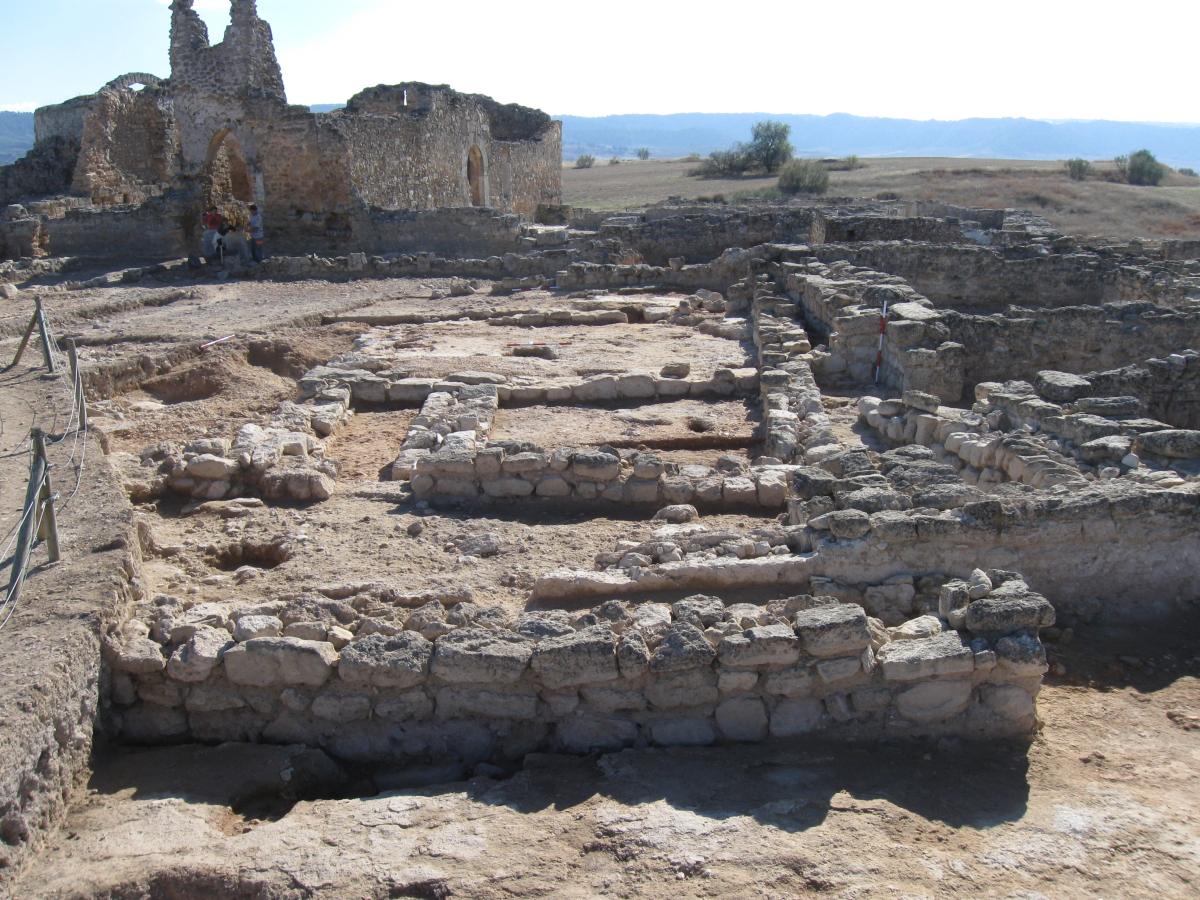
{"x":1092,"y":207}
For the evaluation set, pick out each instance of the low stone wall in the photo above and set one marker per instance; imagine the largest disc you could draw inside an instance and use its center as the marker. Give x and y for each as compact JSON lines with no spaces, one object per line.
{"x":1168,"y":387}
{"x":477,"y":683}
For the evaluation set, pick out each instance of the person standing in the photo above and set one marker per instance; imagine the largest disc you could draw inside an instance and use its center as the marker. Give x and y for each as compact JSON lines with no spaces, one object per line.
{"x":256,"y":233}
{"x":213,"y":223}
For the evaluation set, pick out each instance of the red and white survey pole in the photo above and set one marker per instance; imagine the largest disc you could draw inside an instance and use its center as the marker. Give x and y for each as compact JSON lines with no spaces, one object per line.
{"x":882,"y":334}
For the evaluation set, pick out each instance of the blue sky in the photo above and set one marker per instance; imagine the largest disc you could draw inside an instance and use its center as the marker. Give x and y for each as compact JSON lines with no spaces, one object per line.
{"x":943,"y":59}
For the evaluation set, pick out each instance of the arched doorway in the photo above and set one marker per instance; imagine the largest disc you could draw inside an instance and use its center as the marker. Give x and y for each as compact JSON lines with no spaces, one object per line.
{"x":226,"y":174}
{"x":475,"y":176}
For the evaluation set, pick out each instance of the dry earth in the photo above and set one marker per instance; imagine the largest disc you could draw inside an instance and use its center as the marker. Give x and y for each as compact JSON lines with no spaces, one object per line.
{"x":1093,"y":207}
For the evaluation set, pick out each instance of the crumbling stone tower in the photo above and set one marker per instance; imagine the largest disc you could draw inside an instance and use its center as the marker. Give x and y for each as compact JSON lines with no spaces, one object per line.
{"x":242,"y":66}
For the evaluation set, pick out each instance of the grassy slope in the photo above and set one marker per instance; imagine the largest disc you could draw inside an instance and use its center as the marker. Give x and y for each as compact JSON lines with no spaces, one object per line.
{"x":1091,"y":207}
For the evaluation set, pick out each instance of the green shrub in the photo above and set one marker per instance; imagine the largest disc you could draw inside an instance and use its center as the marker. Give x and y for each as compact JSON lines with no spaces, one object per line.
{"x":586,"y":161}
{"x":1143,"y":169}
{"x":724,"y":164}
{"x":693,"y":157}
{"x":769,"y":146}
{"x":1078,"y":169}
{"x":803,"y":176}
{"x":845,"y":164}
{"x":643,"y":153}
{"x":615,"y":161}
{"x":1190,"y":173}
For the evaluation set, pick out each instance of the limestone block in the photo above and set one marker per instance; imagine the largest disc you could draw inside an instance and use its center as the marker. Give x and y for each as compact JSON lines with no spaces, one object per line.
{"x":640,"y":491}
{"x":195,"y":660}
{"x":1000,"y":615}
{"x":683,"y":732}
{"x":250,"y":627}
{"x":508,"y":488}
{"x":1007,"y":701}
{"x":138,"y":655}
{"x":736,"y":682}
{"x":583,"y":657}
{"x":589,"y":734}
{"x":1172,"y":444}
{"x":795,"y":717}
{"x":764,"y":645}
{"x":919,"y":400}
{"x":553,"y":486}
{"x":1021,"y":656}
{"x":946,"y":654}
{"x":694,"y":687}
{"x":871,"y":700}
{"x":916,"y":629}
{"x":470,"y":702}
{"x":699,"y":610}
{"x":739,"y":490}
{"x":636,"y":387}
{"x":396,"y":661}
{"x":212,"y":698}
{"x":267,"y":662}
{"x":454,"y":487}
{"x":934,"y":701}
{"x":211,"y":467}
{"x":683,"y":647}
{"x":475,"y":655}
{"x":849,"y":524}
{"x":595,"y":465}
{"x":772,"y":488}
{"x":832,"y":631}
{"x":742,"y":719}
{"x":677,"y":490}
{"x":711,"y":489}
{"x":599,"y":389}
{"x":841,"y":668}
{"x":633,"y":656}
{"x":524,"y":463}
{"x":796,"y":682}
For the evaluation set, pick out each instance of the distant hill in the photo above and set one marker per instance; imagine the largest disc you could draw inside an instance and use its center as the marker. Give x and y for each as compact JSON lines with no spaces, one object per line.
{"x":836,"y":135}
{"x":840,"y":135}
{"x":16,"y":135}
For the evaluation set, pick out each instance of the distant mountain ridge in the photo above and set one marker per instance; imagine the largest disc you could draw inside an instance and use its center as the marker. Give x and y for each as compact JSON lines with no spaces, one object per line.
{"x":16,"y":135}
{"x":839,"y":134}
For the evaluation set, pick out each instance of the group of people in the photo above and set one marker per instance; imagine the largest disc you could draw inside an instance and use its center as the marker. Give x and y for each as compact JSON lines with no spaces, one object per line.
{"x":222,"y":238}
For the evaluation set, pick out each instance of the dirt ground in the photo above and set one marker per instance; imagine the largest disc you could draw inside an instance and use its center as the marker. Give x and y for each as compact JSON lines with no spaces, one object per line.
{"x":1093,"y":207}
{"x":1101,"y":804}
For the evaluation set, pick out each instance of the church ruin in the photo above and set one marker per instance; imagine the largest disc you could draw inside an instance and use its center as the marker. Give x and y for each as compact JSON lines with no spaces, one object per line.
{"x":131,"y":167}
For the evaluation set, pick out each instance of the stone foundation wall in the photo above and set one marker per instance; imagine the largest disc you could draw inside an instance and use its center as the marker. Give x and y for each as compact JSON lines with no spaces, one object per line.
{"x":474,"y":683}
{"x":1168,"y":387}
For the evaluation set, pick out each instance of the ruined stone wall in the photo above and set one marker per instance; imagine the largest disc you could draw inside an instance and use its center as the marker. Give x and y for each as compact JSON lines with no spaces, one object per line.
{"x":1071,"y":339}
{"x":1168,"y":387}
{"x":242,"y":65}
{"x":154,"y":230}
{"x":45,"y":170}
{"x":848,"y":229}
{"x":980,"y":278}
{"x":410,"y":144}
{"x":470,"y":682}
{"x":700,"y":238}
{"x":62,"y":120}
{"x":129,"y":141}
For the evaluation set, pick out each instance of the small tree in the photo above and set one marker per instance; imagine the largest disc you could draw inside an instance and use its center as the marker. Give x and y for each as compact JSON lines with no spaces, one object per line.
{"x":1078,"y":169}
{"x":1143,"y":169}
{"x":803,"y":176}
{"x":1190,"y":173}
{"x":586,"y":161}
{"x":769,"y":146}
{"x":643,"y":153}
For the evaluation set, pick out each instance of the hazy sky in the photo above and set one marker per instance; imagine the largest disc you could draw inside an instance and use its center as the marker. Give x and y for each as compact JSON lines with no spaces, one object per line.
{"x":907,"y":58}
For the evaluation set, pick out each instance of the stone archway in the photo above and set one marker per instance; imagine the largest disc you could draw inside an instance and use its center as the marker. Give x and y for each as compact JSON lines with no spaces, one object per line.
{"x":475,"y":177}
{"x":227,"y":178}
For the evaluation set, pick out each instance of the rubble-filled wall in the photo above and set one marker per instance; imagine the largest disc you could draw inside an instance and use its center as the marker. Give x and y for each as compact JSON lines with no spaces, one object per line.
{"x":460,"y":680}
{"x":128,"y":144}
{"x":1168,"y":387}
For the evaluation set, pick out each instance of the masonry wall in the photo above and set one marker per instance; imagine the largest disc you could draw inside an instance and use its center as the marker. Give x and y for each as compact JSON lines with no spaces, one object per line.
{"x":62,"y":120}
{"x":1070,"y":339}
{"x":460,"y":681}
{"x":129,"y":142}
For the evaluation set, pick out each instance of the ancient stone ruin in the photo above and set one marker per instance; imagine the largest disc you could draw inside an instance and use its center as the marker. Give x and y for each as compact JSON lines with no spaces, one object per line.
{"x":132,"y":167}
{"x":491,"y":485}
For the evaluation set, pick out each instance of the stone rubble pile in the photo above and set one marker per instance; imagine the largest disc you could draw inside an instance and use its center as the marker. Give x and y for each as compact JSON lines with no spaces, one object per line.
{"x":476,"y":682}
